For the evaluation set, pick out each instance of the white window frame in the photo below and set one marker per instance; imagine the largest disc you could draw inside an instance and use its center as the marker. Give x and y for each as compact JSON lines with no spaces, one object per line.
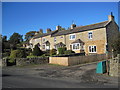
{"x":47,"y":47}
{"x":76,"y":44}
{"x":92,"y":46}
{"x":72,"y":38}
{"x":90,"y":36}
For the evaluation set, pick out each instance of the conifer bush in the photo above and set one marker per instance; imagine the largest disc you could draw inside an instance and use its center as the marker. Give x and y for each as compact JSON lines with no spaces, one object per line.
{"x":17,"y":54}
{"x":61,"y":50}
{"x":53,"y":52}
{"x":68,"y":52}
{"x":37,"y":51}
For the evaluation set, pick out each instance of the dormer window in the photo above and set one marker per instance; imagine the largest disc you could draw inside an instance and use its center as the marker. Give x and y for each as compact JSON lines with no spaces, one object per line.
{"x":90,"y":35}
{"x":72,"y":36}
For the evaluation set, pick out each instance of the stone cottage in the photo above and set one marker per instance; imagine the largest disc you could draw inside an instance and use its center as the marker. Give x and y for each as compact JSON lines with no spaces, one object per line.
{"x":91,"y":39}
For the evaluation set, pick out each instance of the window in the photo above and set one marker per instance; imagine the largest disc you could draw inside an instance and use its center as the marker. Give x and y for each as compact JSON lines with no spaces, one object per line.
{"x":92,"y":49}
{"x":55,"y":39}
{"x":90,"y":35}
{"x":76,"y":46}
{"x":47,"y":47}
{"x":72,"y":36}
{"x":43,"y":46}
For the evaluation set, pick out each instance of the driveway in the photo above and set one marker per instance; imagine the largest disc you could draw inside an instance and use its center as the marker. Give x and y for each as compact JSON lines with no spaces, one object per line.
{"x":55,"y":76}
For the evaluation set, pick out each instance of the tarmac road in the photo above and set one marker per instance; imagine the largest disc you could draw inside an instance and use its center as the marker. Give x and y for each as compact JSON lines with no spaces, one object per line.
{"x":50,"y":76}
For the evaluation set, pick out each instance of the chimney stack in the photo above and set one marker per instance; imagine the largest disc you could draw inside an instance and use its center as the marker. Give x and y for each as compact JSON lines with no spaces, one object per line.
{"x":58,"y":27}
{"x":48,"y":30}
{"x":111,"y":17}
{"x":41,"y":31}
{"x":36,"y":33}
{"x":73,"y":26}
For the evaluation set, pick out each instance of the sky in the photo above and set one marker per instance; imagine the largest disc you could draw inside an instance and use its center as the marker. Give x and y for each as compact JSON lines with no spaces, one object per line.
{"x":22,"y":17}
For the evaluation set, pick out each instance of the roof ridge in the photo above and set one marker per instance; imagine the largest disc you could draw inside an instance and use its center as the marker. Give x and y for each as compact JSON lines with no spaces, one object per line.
{"x":92,"y":24}
{"x":76,"y":29}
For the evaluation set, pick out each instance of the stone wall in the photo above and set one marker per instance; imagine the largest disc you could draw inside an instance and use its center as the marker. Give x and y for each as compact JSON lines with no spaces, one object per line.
{"x":114,"y":66}
{"x":4,"y":63}
{"x":0,"y":62}
{"x":28,"y":61}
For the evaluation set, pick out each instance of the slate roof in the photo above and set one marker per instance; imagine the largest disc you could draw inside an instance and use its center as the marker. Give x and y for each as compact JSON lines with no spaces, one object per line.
{"x":44,"y":34}
{"x":60,"y":44}
{"x":78,"y":41}
{"x":75,"y":30}
{"x":82,"y":28}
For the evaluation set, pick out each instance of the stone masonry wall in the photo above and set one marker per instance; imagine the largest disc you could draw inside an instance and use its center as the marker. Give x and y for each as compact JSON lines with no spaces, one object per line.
{"x":28,"y":61}
{"x":114,"y":66}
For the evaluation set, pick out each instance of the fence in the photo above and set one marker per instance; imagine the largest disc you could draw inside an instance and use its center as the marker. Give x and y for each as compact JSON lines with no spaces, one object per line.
{"x":74,"y":60}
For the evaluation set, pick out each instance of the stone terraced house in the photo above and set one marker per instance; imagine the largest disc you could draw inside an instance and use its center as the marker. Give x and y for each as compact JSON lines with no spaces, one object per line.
{"x":91,"y":39}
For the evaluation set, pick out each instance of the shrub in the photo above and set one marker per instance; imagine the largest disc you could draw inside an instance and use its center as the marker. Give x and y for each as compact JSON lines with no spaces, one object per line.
{"x":6,"y":54}
{"x":28,"y":51}
{"x":69,"y":52}
{"x":37,"y":51}
{"x":47,"y":53}
{"x":13,"y":46}
{"x":61,"y":50}
{"x":31,"y":56}
{"x":53,"y":52}
{"x":17,"y":54}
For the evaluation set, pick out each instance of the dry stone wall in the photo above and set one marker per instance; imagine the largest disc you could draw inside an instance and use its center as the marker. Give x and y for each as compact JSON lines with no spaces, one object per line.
{"x":114,"y":66}
{"x":28,"y":61}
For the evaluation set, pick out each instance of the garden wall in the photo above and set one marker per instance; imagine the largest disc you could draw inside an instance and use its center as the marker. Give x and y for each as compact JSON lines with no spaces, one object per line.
{"x":74,"y":60}
{"x":28,"y":61}
{"x":114,"y":65}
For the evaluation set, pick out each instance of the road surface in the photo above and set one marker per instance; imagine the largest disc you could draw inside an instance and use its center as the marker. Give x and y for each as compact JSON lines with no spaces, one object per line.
{"x":50,"y":76}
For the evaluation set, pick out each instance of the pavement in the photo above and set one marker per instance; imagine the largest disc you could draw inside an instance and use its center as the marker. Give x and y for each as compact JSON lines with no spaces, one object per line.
{"x":56,"y":76}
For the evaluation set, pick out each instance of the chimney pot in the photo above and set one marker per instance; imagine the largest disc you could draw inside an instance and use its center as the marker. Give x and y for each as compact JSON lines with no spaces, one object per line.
{"x":111,"y":17}
{"x":58,"y":27}
{"x":48,"y":30}
{"x":73,"y":26}
{"x":41,"y":31}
